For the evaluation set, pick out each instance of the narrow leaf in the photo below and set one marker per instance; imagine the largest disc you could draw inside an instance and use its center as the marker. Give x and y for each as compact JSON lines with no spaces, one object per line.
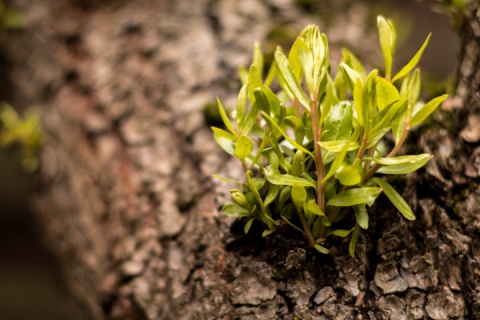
{"x":353,"y":240}
{"x":258,"y":57}
{"x":355,"y":196}
{"x":339,"y":233}
{"x":321,"y":249}
{"x":361,"y":216}
{"x":336,"y":163}
{"x":225,"y":119}
{"x":248,"y":225}
{"x":395,"y":198}
{"x":289,"y":77}
{"x":337,"y":146}
{"x":426,"y":110}
{"x":387,"y":43}
{"x":412,"y":63}
{"x":274,"y":177}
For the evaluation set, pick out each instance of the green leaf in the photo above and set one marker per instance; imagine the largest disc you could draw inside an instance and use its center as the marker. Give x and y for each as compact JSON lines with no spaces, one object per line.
{"x":248,"y":225}
{"x":353,"y":240}
{"x":243,"y":74}
{"x":266,"y":233}
{"x":339,"y":233}
{"x":351,"y":75}
{"x":387,"y":37}
{"x":243,"y":147}
{"x":274,"y":177}
{"x":290,"y":81}
{"x":336,"y":163}
{"x":359,"y":102}
{"x":297,"y":166}
{"x":350,"y":175}
{"x":293,"y":142}
{"x":225,"y":119}
{"x":273,"y":192}
{"x":258,"y":57}
{"x":395,"y":198}
{"x":412,"y":63}
{"x":268,"y":101}
{"x":254,"y":77}
{"x":313,"y":207}
{"x":361,"y":216}
{"x":355,"y":196}
{"x":338,"y":123}
{"x":414,"y":88}
{"x":301,"y":58}
{"x":321,"y":249}
{"x":241,"y":106}
{"x":337,"y":146}
{"x":386,"y":93}
{"x":299,"y":195}
{"x":427,"y":109}
{"x":226,"y":179}
{"x":225,"y":140}
{"x":352,"y":61}
{"x":234,"y":210}
{"x":250,"y":119}
{"x":405,"y":167}
{"x":401,"y":159}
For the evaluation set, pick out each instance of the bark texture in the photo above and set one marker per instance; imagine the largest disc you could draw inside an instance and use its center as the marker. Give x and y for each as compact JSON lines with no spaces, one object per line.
{"x":127,"y":203}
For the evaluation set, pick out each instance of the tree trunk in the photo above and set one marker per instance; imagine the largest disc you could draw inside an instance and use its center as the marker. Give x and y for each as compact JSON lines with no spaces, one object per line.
{"x":127,"y":205}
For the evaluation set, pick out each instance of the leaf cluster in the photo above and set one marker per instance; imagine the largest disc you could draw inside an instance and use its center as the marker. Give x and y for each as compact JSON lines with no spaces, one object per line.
{"x":310,"y":142}
{"x":22,"y":134}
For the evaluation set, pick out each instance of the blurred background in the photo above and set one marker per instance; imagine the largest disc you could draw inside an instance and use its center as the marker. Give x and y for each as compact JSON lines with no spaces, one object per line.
{"x":29,"y":284}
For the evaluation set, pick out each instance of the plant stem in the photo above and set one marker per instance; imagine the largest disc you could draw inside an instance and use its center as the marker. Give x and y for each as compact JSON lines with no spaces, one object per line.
{"x":394,"y":151}
{"x":318,"y":156}
{"x":306,"y":229}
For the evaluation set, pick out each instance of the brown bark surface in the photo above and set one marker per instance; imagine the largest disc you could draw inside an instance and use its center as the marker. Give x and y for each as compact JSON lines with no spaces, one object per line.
{"x":127,"y":203}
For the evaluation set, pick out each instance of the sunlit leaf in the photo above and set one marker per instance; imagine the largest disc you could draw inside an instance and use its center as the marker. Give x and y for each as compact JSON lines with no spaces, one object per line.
{"x":355,"y":196}
{"x":274,"y":177}
{"x":395,"y":198}
{"x":338,"y":123}
{"x":413,"y":62}
{"x":290,"y":81}
{"x":225,"y":119}
{"x":337,"y":146}
{"x":404,"y":165}
{"x":386,"y":93}
{"x":258,"y":57}
{"x":349,"y":175}
{"x":314,"y":208}
{"x":387,"y":43}
{"x":321,"y":249}
{"x":414,"y":88}
{"x":243,"y":147}
{"x":352,"y":61}
{"x":225,"y":140}
{"x":426,"y":110}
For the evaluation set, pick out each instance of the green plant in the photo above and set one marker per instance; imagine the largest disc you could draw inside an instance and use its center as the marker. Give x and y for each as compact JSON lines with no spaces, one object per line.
{"x":23,"y":134}
{"x":309,"y":151}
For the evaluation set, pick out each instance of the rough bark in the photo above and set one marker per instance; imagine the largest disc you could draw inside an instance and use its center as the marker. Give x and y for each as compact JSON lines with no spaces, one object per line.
{"x":126,"y":199}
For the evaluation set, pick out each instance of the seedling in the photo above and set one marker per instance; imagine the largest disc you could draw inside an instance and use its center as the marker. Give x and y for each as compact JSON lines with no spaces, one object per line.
{"x":311,"y":150}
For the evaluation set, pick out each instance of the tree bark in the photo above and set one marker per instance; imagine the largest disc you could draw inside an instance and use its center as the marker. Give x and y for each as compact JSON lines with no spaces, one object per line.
{"x":127,"y":204}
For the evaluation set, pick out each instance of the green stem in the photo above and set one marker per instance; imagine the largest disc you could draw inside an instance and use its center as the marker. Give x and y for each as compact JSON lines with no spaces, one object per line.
{"x":306,"y":229}
{"x":395,"y":150}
